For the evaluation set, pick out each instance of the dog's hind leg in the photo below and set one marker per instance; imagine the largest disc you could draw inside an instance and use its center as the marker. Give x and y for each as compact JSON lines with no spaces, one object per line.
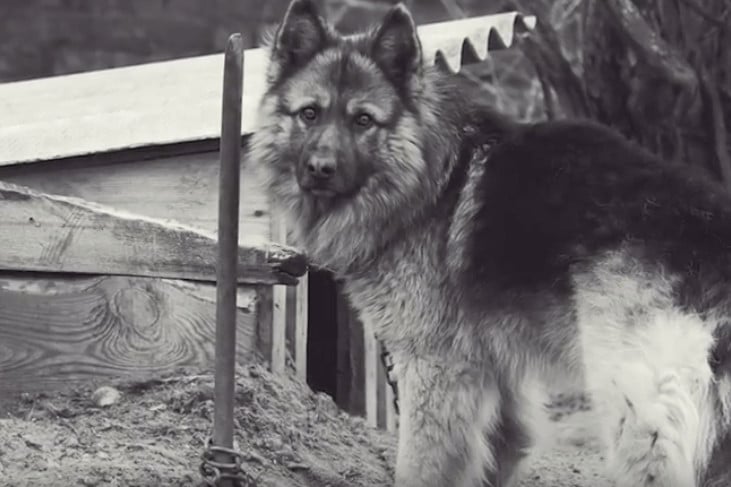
{"x":521,"y":423}
{"x":447,"y":409}
{"x":647,"y":370}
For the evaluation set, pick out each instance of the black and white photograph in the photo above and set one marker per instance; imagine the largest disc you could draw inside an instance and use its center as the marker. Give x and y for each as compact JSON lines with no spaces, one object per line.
{"x":365,"y":243}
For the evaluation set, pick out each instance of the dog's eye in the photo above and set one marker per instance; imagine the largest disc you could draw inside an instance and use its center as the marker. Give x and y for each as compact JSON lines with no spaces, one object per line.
{"x":308,"y":114}
{"x":363,"y":120}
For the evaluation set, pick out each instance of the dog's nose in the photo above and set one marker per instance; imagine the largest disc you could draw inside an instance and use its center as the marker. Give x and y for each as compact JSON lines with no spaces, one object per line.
{"x":321,"y":167}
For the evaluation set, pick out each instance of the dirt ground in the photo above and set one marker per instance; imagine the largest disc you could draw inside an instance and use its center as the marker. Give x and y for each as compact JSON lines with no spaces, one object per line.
{"x":155,"y":432}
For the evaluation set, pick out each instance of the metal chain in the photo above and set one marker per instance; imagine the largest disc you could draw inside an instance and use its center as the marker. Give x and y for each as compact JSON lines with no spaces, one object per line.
{"x":388,"y":364}
{"x":213,"y":472}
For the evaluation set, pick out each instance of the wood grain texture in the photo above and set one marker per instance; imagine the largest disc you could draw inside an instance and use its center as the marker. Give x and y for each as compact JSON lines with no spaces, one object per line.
{"x":264,"y":310}
{"x":297,"y":315}
{"x":279,"y":305}
{"x":40,"y":232}
{"x":301,"y":327}
{"x":279,"y":329}
{"x":183,"y":188}
{"x":55,"y":332}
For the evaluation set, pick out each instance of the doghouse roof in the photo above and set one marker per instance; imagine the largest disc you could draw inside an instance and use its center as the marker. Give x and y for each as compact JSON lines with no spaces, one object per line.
{"x":179,"y":101}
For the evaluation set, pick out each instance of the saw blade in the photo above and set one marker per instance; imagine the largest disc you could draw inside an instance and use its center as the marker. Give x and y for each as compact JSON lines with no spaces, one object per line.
{"x":460,"y":42}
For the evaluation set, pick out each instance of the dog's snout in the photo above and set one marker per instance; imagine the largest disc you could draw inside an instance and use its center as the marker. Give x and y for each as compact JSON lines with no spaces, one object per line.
{"x":320,"y":167}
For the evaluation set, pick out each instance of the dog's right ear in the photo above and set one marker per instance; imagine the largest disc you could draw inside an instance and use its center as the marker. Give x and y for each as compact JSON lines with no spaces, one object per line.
{"x":396,"y":47}
{"x":300,"y":36}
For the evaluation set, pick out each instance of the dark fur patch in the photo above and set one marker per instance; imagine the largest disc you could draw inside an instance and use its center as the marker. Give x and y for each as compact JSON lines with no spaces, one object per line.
{"x":479,"y":129}
{"x":558,"y":193}
{"x":301,"y":35}
{"x":720,"y":359}
{"x":718,"y":473}
{"x":396,"y":49}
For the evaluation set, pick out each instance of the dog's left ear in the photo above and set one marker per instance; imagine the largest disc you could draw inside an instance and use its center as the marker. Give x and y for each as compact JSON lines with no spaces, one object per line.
{"x":301,"y":35}
{"x":396,"y":47}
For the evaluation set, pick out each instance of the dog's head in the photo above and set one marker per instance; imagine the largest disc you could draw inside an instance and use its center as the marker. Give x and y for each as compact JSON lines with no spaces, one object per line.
{"x":343,"y":127}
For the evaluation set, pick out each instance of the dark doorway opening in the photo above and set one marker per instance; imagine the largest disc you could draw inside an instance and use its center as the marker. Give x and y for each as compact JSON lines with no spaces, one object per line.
{"x":322,"y":332}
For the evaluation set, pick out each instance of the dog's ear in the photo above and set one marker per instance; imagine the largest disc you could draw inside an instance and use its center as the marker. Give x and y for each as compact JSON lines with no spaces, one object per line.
{"x":301,"y":35}
{"x":396,"y":47}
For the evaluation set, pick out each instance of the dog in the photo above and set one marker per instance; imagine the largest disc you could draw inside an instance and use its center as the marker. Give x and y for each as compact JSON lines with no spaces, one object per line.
{"x":492,"y":256}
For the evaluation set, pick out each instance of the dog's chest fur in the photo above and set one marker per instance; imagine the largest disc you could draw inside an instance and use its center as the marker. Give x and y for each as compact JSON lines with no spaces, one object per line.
{"x":405,"y":296}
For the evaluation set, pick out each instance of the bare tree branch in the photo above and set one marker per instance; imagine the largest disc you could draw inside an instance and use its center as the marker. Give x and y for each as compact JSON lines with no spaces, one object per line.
{"x":715,"y":108}
{"x":652,"y":49}
{"x":545,"y":54}
{"x":548,"y":103}
{"x":543,"y":48}
{"x":693,"y":5}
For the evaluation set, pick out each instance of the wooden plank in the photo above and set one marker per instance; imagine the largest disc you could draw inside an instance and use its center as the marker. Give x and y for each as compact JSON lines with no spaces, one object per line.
{"x":301,"y":327}
{"x":183,"y":188}
{"x":279,"y":329}
{"x":168,"y":102}
{"x":56,"y":332}
{"x":279,"y":306}
{"x":297,"y":320}
{"x":264,"y":310}
{"x":44,"y":233}
{"x":119,"y":108}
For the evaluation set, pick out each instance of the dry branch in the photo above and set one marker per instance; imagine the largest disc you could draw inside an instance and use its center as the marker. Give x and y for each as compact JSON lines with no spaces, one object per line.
{"x":713,"y":100}
{"x":545,"y":54}
{"x":650,"y":47}
{"x":707,"y":16}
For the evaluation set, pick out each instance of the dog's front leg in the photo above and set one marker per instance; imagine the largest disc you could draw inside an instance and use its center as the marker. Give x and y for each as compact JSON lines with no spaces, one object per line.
{"x":447,"y":412}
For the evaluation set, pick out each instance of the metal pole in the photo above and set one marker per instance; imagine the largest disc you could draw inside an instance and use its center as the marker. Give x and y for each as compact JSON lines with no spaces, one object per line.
{"x":227,"y":263}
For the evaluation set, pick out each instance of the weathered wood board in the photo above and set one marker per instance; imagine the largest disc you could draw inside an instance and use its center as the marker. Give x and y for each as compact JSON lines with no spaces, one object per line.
{"x":44,"y":233}
{"x":58,"y":331}
{"x":279,"y":309}
{"x":299,"y":301}
{"x":182,"y":188}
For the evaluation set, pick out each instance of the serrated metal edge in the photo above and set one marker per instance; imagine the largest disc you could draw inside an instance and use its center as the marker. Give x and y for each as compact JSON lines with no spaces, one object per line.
{"x":457,"y":43}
